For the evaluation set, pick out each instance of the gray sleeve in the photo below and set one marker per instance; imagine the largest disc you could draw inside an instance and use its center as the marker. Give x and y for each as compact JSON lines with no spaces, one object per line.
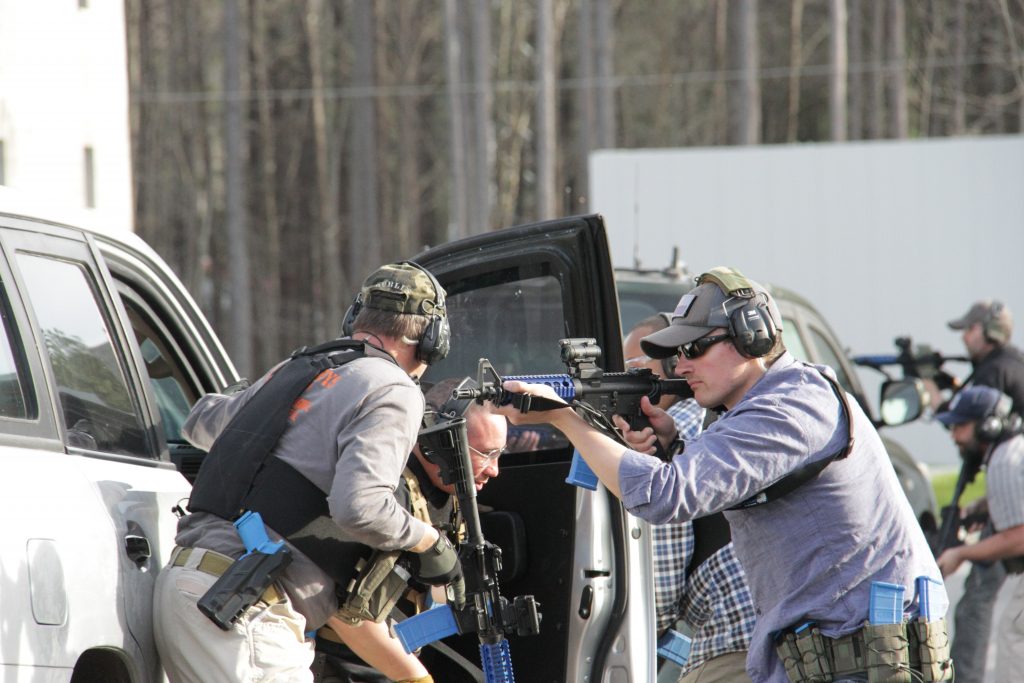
{"x":373,"y":449}
{"x":212,"y":413}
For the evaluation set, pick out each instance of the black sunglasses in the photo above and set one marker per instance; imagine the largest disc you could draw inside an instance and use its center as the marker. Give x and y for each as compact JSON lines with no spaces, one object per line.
{"x":698,"y":347}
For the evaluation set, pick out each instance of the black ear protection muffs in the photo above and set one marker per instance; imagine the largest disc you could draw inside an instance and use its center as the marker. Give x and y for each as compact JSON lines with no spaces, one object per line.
{"x":990,"y":327}
{"x":348,"y":322}
{"x":999,"y":422}
{"x":752,"y":328}
{"x":435,"y":342}
{"x":746,"y":314}
{"x":437,"y":338}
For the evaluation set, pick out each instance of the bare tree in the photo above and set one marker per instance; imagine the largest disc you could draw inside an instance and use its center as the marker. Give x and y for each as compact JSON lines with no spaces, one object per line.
{"x":959,"y":125}
{"x":856,"y":77}
{"x":898,"y":68}
{"x":483,"y":116}
{"x":934,"y":38}
{"x":1017,"y":62}
{"x":545,"y":109}
{"x":745,"y":100}
{"x":364,"y":236}
{"x":268,"y":277}
{"x":513,"y":112}
{"x":604,"y":61}
{"x":796,"y":62}
{"x":585,"y":104}
{"x":458,"y":210}
{"x":239,"y":338}
{"x":719,"y":96}
{"x":327,"y":269}
{"x":838,"y":72}
{"x":876,"y":101}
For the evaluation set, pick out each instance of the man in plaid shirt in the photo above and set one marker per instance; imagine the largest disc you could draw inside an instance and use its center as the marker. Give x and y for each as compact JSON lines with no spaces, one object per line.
{"x":709,"y":593}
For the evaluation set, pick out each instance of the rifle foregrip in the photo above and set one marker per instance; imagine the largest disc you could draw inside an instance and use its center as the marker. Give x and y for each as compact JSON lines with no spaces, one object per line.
{"x":562,"y":384}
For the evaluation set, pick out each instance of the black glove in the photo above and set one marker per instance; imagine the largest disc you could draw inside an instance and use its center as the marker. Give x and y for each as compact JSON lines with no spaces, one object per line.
{"x":457,"y":592}
{"x":944,"y":380}
{"x":437,"y":565}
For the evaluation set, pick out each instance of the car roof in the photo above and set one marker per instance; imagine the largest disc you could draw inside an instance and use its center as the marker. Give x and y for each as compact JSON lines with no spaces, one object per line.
{"x":684,"y":279}
{"x":20,"y":204}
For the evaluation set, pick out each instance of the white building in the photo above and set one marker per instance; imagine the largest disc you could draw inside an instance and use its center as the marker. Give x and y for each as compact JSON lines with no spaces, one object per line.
{"x":64,"y":132}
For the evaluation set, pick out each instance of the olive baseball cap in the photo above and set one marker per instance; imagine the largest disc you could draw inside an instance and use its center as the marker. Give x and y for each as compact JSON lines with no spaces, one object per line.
{"x":993,"y":316}
{"x":704,"y":308}
{"x":403,"y":288}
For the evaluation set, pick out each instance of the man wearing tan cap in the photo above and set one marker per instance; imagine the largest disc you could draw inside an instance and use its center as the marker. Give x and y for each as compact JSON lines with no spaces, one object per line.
{"x":985,"y":329}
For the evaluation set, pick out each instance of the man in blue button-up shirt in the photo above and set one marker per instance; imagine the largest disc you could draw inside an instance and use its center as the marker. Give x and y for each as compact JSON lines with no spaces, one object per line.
{"x":811,"y":553}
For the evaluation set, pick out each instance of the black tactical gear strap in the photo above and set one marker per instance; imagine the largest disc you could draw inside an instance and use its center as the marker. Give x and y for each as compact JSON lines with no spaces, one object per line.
{"x":805,"y":473}
{"x":710,"y":534}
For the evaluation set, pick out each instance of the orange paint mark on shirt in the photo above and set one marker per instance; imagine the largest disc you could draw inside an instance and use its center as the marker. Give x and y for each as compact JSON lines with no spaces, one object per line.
{"x":327,"y":379}
{"x":300,"y":406}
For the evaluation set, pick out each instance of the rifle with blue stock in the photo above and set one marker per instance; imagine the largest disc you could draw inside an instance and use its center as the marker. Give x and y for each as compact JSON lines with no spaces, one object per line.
{"x":595,"y":394}
{"x":485,"y":611}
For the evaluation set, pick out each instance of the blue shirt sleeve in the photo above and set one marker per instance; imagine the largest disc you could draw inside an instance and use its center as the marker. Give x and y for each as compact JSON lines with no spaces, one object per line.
{"x":786,"y":420}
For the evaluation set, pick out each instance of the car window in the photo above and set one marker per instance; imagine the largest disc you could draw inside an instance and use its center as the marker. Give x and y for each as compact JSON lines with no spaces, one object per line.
{"x":792,"y":339}
{"x":95,"y":401}
{"x":173,"y":388}
{"x":830,"y":356}
{"x":516,"y":324}
{"x":639,"y":300}
{"x":14,"y":379}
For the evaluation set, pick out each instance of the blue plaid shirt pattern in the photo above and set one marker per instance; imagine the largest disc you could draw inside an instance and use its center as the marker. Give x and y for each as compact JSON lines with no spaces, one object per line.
{"x":689,"y":418}
{"x":715,"y":601}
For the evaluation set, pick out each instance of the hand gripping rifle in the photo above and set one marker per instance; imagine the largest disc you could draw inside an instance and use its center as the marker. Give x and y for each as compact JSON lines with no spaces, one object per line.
{"x":951,"y":520}
{"x":594,"y":393}
{"x":485,"y":611}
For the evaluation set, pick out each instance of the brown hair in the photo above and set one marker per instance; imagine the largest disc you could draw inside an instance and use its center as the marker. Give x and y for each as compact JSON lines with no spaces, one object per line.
{"x":406,"y":326}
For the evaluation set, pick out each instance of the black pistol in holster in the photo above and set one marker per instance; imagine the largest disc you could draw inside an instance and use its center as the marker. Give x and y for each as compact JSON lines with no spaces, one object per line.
{"x":246,"y":581}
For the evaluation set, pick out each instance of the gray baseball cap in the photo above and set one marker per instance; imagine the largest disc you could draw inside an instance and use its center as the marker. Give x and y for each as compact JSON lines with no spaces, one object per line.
{"x":993,"y":316}
{"x":704,"y":308}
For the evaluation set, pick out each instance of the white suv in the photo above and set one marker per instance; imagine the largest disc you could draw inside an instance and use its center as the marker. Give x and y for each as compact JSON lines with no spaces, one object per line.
{"x":101,"y":355}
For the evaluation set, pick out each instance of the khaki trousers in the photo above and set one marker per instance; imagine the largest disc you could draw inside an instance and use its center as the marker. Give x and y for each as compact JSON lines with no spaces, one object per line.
{"x":267,"y":643}
{"x":728,"y":668}
{"x":1009,"y":630}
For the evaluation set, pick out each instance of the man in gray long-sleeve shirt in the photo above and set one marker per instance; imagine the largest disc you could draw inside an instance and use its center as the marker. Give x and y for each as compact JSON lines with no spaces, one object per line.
{"x":347,"y":438}
{"x":811,"y":550}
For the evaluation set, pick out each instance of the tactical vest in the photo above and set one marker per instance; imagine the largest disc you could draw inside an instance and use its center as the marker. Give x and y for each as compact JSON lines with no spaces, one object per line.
{"x":240,"y":473}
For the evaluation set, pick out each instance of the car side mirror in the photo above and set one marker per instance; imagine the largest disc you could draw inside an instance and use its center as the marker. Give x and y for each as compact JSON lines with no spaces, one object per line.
{"x":902,"y":401}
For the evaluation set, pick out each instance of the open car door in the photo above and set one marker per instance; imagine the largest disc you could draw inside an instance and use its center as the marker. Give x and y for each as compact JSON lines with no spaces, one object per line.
{"x":512,"y":294}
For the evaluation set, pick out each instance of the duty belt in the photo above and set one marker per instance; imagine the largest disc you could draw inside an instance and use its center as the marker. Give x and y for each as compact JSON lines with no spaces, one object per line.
{"x":887,"y":652}
{"x":215,"y":564}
